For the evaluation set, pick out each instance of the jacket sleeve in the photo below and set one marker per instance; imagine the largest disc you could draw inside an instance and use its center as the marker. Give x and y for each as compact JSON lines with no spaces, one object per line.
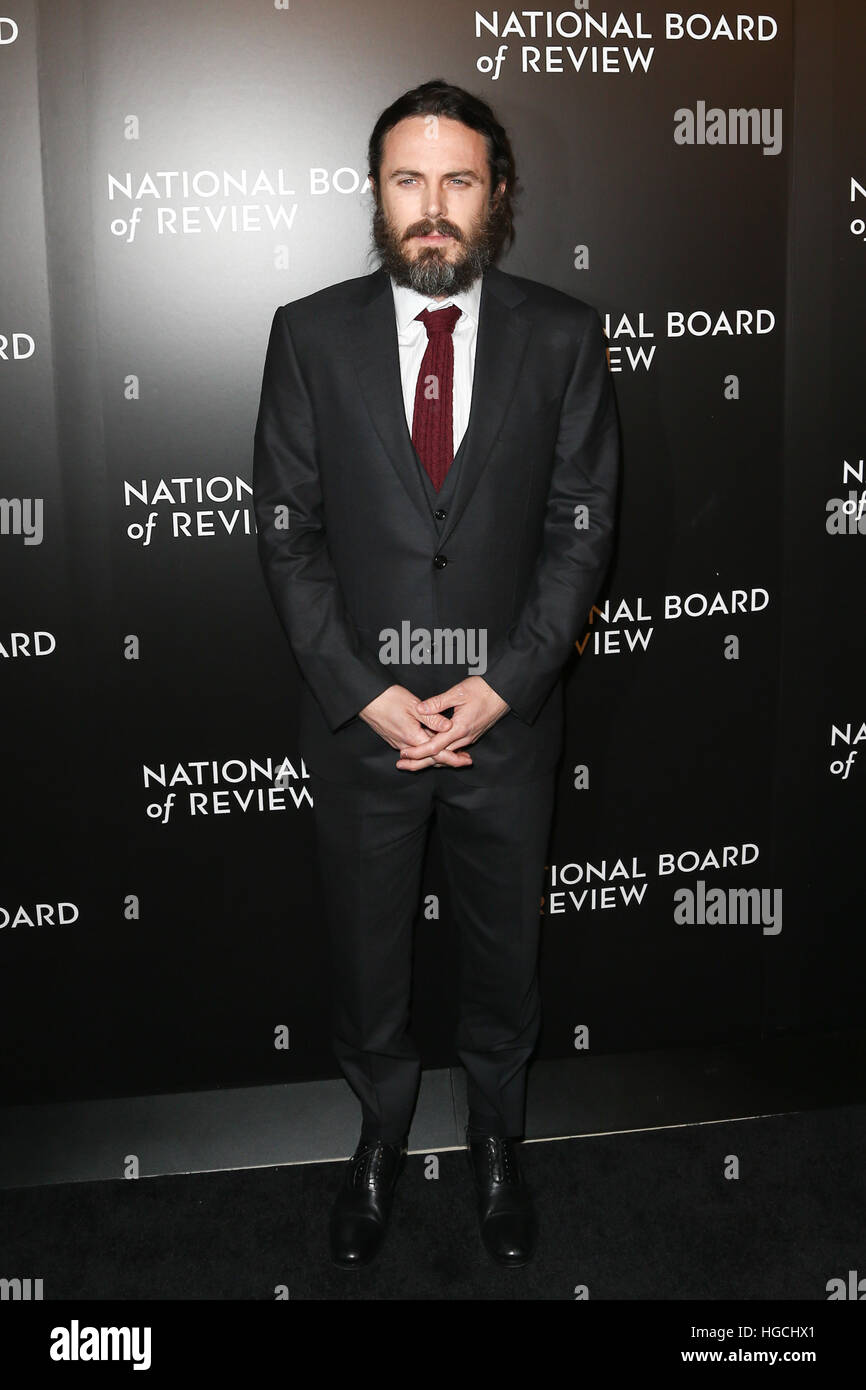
{"x":573,"y":558}
{"x":292,"y":545}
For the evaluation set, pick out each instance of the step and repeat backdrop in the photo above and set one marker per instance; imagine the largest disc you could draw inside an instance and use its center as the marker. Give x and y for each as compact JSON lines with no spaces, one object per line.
{"x":174,"y":170}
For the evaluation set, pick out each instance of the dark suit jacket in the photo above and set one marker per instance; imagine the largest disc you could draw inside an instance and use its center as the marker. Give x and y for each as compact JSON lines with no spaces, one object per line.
{"x":362,"y":551}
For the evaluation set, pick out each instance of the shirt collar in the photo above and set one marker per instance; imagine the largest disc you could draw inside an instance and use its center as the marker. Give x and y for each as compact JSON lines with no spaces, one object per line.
{"x":408,"y":303}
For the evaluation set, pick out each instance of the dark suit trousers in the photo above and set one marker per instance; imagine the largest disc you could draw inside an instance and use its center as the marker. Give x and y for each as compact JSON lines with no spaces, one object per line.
{"x":370,"y":846}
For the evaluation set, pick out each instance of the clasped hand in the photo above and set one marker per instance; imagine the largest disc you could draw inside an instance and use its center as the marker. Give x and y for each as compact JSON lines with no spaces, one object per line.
{"x":424,"y":736}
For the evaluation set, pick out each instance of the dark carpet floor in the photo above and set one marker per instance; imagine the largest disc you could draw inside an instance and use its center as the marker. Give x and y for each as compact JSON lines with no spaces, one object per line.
{"x":630,"y":1216}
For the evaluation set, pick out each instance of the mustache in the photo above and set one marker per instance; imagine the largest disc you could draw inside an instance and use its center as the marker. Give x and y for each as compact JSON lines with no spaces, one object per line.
{"x":428,"y":228}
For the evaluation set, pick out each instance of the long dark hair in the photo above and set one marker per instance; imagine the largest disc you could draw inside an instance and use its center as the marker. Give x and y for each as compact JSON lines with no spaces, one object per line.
{"x":440,"y":98}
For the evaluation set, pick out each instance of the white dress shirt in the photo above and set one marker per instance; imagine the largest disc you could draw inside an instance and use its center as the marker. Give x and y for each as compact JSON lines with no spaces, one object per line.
{"x":412,"y":341}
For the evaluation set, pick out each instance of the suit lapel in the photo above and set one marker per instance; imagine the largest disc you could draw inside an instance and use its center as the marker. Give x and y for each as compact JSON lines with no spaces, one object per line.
{"x":499,"y":350}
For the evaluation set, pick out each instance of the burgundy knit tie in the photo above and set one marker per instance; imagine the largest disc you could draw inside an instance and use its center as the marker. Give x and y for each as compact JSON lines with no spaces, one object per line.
{"x":432,"y":421}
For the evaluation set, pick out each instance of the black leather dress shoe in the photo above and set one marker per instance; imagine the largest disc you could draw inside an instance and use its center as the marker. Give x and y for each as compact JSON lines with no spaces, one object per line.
{"x":505,"y":1211}
{"x":359,"y":1217}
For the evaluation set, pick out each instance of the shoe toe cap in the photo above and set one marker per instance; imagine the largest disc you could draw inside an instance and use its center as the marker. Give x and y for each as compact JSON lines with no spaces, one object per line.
{"x":355,"y":1239}
{"x":510,"y":1236}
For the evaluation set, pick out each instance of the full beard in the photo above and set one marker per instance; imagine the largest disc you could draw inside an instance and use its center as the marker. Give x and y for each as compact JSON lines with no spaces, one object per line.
{"x":429,"y":272}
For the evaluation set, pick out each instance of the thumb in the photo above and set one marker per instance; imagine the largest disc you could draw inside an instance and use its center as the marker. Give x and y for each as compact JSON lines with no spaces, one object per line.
{"x":436,"y":702}
{"x":437,"y":721}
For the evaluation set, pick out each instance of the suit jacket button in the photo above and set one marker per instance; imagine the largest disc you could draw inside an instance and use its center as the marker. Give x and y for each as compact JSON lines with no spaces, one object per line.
{"x":440,"y":514}
{"x":439,"y":562}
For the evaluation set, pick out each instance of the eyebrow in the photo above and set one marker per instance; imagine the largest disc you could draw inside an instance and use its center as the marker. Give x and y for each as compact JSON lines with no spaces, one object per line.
{"x":452,"y":174}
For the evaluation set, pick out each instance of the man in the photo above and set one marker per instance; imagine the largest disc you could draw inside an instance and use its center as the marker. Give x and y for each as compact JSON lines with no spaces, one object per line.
{"x":435,"y":475}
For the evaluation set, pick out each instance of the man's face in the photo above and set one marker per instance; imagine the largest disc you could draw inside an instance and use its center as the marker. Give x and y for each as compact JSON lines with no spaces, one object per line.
{"x":433,"y":226}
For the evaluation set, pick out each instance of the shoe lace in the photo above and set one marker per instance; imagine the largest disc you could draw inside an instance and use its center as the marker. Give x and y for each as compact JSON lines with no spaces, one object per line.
{"x":367,"y":1162}
{"x":503,"y":1161}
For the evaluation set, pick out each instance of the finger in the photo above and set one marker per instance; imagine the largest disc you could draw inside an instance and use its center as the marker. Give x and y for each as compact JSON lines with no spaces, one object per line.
{"x":438,"y":722}
{"x":431,"y":747}
{"x":450,"y":758}
{"x":425,"y":745}
{"x":446,"y":757}
{"x":442,"y":760}
{"x":417,"y":733}
{"x":458,"y":745}
{"x":434,"y":703}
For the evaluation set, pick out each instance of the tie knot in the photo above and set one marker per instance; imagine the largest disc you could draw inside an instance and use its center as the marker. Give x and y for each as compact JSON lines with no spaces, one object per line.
{"x":439,"y":320}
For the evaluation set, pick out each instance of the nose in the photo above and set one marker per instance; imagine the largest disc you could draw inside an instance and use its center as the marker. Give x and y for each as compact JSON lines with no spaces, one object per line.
{"x":434,"y":204}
